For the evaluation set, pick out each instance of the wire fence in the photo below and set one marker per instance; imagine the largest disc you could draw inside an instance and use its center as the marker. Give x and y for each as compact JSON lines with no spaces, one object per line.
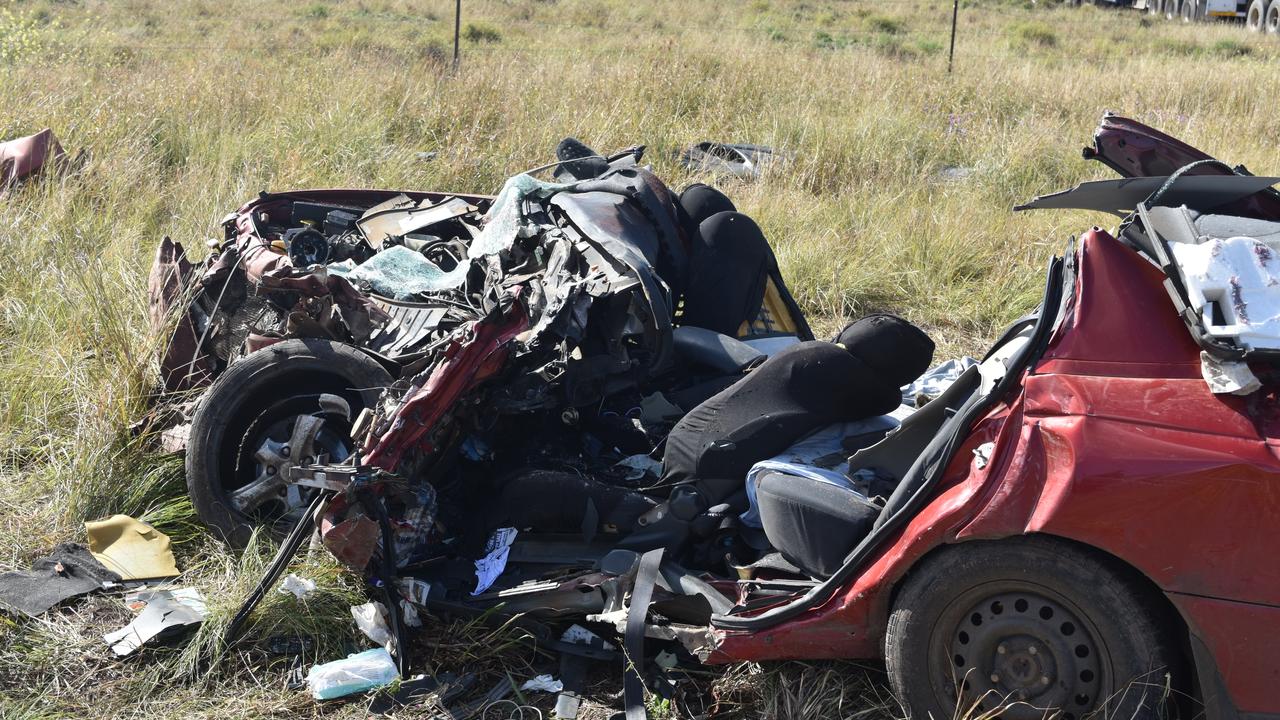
{"x":941,"y":33}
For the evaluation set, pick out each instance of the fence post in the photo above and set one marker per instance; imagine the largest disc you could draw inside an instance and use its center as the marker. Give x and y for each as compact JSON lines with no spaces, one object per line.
{"x":951,"y":56}
{"x":457,"y":30}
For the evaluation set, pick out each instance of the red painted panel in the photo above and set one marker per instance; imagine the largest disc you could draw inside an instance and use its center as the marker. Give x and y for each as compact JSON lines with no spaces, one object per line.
{"x":1117,"y":443}
{"x":1245,"y":641}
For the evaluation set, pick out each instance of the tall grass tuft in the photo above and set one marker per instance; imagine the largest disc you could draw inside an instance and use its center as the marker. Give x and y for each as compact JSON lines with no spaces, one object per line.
{"x":895,"y":197}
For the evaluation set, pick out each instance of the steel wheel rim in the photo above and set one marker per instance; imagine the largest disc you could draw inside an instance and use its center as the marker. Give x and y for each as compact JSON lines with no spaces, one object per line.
{"x":1020,"y":646}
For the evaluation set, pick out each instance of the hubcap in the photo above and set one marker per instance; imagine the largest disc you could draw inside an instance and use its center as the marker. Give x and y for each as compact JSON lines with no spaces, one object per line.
{"x":1027,"y":653}
{"x":288,"y":442}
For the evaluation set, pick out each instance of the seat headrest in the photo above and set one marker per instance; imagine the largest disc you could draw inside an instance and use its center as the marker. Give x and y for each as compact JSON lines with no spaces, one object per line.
{"x":699,"y":202}
{"x":889,"y":345}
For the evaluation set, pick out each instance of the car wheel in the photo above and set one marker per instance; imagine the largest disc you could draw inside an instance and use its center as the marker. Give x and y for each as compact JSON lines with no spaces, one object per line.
{"x":287,"y":404}
{"x":1253,"y":19}
{"x":1031,"y":627}
{"x":1272,"y":24}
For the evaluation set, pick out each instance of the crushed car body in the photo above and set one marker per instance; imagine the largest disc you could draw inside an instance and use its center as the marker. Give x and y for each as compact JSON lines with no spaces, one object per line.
{"x":593,"y":401}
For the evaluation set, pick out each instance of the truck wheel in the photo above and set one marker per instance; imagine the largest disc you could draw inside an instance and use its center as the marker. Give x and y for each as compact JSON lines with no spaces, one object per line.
{"x":1189,"y":14}
{"x":1272,"y":23}
{"x":1170,"y":9}
{"x":284,"y":405}
{"x":1253,"y":19}
{"x":1153,"y":7}
{"x":1028,"y":626}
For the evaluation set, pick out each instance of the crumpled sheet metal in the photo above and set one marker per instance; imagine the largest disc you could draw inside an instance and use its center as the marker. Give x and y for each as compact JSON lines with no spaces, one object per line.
{"x":395,"y":272}
{"x":352,"y":540}
{"x":268,"y":269}
{"x":23,"y":157}
{"x":182,"y":366}
{"x":131,"y":548}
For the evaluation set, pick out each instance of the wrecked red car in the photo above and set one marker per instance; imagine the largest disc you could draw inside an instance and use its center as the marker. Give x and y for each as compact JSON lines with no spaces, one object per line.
{"x":594,"y":404}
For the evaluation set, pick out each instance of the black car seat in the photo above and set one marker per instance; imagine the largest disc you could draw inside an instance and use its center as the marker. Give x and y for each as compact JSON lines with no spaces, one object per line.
{"x":815,"y":524}
{"x":721,"y":272}
{"x":733,"y":285}
{"x":796,"y":391}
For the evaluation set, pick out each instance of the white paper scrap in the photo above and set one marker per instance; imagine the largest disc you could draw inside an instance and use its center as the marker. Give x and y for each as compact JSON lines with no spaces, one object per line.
{"x":296,"y":586}
{"x":489,"y":567}
{"x":543,"y":683}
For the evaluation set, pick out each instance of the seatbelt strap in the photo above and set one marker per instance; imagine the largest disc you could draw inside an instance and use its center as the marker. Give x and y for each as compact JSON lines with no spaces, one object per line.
{"x":633,"y":638}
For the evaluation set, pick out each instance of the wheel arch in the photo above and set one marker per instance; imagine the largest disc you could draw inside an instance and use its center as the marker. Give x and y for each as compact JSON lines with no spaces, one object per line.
{"x":1198,"y":665}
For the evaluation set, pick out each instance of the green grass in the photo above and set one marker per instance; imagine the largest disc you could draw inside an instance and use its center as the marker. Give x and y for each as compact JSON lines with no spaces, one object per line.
{"x":188,"y":108}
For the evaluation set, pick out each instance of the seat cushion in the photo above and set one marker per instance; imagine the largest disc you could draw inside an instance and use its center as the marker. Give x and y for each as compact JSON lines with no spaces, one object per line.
{"x":814,"y":524}
{"x":804,"y":387}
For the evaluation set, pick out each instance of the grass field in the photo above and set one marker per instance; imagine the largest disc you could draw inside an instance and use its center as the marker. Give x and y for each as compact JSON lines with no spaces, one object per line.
{"x":897,"y":198}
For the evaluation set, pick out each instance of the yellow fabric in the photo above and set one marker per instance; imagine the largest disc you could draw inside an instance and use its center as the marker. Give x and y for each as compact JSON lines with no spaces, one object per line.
{"x":132,"y":549}
{"x":774,"y":315}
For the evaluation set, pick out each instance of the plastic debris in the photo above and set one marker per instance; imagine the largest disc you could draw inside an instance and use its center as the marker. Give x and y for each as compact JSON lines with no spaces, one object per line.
{"x":138,"y":600}
{"x":933,"y":383}
{"x":353,"y":674}
{"x":734,"y":159}
{"x":666,"y":660}
{"x":567,"y":705}
{"x":296,"y":586}
{"x":579,"y":635}
{"x":638,"y":465}
{"x":131,"y":548}
{"x":1238,"y":276}
{"x":371,"y":618}
{"x":410,"y":614}
{"x":166,"y":613}
{"x":489,"y":567}
{"x":542,"y":683}
{"x":1226,"y":377}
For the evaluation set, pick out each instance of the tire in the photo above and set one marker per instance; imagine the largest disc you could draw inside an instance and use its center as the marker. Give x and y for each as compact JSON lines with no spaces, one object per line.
{"x":1153,"y":7}
{"x":266,"y":393}
{"x":1256,"y":16}
{"x":1272,"y":22}
{"x":988,"y":620}
{"x":1189,"y":14}
{"x":1171,"y":9}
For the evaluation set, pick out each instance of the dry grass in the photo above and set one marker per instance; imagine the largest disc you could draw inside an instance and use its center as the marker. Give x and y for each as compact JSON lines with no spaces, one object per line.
{"x":189,"y":107}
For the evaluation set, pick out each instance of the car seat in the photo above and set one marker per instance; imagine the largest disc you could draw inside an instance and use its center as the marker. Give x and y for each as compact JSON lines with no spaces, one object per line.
{"x":800,"y":389}
{"x":733,"y":285}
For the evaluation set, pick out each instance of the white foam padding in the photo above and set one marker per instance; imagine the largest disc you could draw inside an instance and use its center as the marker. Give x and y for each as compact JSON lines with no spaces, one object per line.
{"x":1242,"y":276}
